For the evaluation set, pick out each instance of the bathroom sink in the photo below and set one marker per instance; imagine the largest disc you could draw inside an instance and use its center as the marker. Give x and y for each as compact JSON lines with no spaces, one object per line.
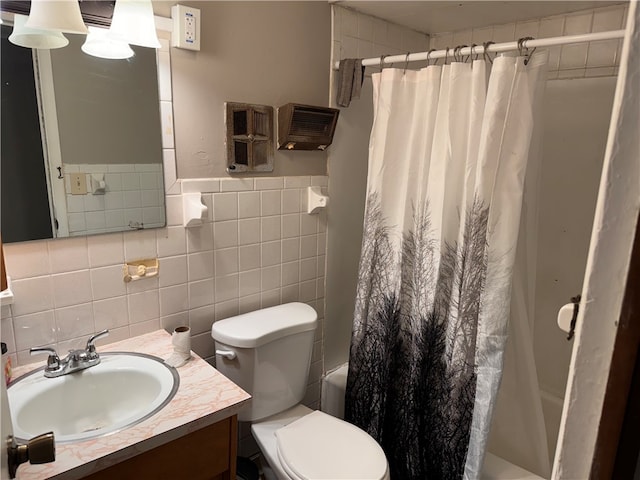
{"x":122,"y":390}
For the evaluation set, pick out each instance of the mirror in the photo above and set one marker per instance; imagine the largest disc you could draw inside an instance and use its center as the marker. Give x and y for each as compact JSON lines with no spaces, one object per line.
{"x":99,"y":122}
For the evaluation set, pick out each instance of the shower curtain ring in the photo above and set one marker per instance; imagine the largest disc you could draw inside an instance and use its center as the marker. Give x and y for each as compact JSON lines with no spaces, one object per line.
{"x":456,"y":57}
{"x":460,"y":56}
{"x":382,"y":57}
{"x":472,"y":53}
{"x":446,"y":55}
{"x":526,"y":61}
{"x":428,"y":55}
{"x":521,"y":46}
{"x":465,"y":60}
{"x":485,"y":53}
{"x":406,"y":62}
{"x":525,"y":51}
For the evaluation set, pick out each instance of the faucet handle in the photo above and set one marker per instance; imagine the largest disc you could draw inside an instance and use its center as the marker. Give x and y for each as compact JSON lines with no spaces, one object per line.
{"x":91,"y":348}
{"x":53,"y":361}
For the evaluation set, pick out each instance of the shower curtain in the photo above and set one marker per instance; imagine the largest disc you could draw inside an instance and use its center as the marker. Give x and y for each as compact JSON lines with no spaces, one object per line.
{"x":447,"y":158}
{"x":518,"y":429}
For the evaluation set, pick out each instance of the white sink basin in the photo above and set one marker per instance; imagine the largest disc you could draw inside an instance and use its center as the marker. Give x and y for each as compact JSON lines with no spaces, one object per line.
{"x":124,"y":389}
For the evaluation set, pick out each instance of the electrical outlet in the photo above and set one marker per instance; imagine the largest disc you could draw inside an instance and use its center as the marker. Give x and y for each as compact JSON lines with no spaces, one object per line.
{"x":186,"y":27}
{"x":78,"y":183}
{"x":189,"y":28}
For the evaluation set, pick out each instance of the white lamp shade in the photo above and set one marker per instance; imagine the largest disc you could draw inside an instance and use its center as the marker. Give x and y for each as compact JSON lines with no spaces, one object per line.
{"x":59,"y":15}
{"x":100,"y":44}
{"x":24,"y":36}
{"x":134,"y":24}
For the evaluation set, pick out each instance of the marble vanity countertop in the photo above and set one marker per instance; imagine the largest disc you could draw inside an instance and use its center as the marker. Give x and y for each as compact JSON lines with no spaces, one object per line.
{"x":205,"y":397}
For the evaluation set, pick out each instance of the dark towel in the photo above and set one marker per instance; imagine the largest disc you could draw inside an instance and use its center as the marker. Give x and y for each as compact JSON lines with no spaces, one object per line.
{"x":350,"y":77}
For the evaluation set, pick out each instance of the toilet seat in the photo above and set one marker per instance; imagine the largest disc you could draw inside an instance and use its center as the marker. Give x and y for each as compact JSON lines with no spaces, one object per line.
{"x":321,"y":447}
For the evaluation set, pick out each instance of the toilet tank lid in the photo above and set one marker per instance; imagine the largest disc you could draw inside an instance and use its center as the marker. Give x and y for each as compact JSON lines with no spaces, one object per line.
{"x":257,"y":328}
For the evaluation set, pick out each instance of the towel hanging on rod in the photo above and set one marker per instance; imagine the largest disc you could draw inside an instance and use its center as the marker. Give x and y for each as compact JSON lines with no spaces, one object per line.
{"x":350,"y":77}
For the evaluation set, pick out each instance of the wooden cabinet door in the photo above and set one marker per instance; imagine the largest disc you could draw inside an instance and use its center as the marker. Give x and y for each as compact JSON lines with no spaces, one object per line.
{"x":206,"y":454}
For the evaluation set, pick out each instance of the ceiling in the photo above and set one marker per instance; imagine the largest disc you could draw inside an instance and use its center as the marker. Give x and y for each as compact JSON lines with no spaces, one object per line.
{"x":447,"y":16}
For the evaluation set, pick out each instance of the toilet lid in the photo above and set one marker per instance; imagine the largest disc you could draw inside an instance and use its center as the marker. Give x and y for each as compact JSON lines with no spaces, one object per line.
{"x":320,"y":447}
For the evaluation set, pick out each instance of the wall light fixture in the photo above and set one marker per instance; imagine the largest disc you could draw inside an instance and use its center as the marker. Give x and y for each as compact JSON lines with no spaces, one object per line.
{"x":134,"y":24}
{"x":24,"y":36}
{"x":58,"y":15}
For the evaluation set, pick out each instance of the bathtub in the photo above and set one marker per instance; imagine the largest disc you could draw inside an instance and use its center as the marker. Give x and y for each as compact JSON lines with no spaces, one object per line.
{"x":332,"y":402}
{"x":495,"y":468}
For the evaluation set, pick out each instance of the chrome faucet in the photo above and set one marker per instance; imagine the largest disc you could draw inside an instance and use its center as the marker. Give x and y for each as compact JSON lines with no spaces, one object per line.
{"x":76,"y":360}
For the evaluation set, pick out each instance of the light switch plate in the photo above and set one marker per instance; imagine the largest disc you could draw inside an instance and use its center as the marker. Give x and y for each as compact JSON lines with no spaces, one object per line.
{"x":78,"y":184}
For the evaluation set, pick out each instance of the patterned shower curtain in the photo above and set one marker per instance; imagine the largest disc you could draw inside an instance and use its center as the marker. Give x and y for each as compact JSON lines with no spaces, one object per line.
{"x":447,"y":158}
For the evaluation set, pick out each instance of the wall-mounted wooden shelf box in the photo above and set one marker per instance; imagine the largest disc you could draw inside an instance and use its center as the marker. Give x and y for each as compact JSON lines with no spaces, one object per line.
{"x":305,"y":127}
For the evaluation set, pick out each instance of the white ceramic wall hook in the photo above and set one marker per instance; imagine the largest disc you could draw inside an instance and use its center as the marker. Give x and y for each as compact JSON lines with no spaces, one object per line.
{"x":316,"y":200}
{"x":193,"y":210}
{"x":98,"y":184}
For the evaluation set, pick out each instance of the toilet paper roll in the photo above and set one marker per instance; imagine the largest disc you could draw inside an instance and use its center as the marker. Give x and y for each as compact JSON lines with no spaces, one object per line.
{"x":181,"y":340}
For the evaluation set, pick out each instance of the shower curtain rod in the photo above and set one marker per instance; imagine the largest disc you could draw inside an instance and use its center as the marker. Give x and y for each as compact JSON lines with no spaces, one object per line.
{"x":493,"y":48}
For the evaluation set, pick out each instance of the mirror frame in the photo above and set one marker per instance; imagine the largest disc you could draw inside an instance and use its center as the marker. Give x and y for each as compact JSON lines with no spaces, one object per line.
{"x":165,"y":91}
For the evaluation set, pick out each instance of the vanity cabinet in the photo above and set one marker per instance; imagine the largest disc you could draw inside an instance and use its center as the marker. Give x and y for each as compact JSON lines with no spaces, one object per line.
{"x":206,"y":454}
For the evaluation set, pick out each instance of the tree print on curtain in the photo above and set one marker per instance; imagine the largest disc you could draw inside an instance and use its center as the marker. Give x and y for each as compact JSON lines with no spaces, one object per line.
{"x":412,"y":378}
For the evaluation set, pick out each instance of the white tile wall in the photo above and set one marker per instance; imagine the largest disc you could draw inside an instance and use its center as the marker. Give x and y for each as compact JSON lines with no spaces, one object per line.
{"x":360,"y":36}
{"x":134,"y":193}
{"x":568,"y":61}
{"x":259,"y":249}
{"x":356,"y":35}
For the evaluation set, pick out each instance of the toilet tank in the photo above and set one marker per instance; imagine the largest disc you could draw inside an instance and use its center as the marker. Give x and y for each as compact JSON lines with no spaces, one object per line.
{"x":267,"y":353}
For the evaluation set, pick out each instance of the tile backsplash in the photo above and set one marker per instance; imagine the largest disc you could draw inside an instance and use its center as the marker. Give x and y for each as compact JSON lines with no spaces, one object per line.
{"x":257,"y":248}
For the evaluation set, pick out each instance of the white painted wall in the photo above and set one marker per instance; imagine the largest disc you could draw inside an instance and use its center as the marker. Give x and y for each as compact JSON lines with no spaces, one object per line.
{"x":267,"y":53}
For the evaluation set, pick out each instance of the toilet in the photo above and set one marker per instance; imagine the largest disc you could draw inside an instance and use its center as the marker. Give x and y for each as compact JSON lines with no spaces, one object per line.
{"x":268,"y":353}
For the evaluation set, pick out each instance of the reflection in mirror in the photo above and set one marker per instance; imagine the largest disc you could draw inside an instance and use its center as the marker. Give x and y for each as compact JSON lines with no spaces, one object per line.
{"x":99,"y":122}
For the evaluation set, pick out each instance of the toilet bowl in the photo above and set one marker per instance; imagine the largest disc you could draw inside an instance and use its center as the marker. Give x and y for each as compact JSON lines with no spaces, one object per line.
{"x":305,"y":444}
{"x":268,"y":353}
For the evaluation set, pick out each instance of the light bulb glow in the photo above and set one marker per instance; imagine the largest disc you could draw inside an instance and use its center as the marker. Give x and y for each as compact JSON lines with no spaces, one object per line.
{"x":100,"y":44}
